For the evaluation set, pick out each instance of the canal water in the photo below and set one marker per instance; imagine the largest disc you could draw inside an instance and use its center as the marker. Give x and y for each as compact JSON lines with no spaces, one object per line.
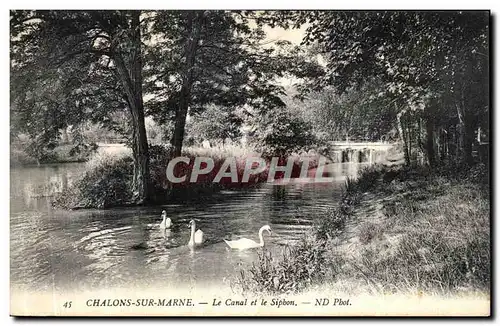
{"x":57,"y":250}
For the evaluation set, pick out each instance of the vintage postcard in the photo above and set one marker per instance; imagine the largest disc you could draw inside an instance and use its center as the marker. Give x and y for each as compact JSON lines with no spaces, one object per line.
{"x":249,"y":163}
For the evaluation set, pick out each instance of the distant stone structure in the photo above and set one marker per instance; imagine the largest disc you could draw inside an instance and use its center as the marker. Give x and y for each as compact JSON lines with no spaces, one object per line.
{"x":344,"y":152}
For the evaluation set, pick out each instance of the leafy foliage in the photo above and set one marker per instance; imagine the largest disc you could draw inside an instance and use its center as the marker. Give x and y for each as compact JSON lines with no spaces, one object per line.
{"x":55,"y":83}
{"x":281,"y":133}
{"x":232,"y":69}
{"x":215,"y":124}
{"x":357,"y":115}
{"x":93,"y":65}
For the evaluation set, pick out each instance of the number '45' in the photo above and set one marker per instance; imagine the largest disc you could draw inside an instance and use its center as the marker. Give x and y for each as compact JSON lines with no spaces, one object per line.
{"x":67,"y":304}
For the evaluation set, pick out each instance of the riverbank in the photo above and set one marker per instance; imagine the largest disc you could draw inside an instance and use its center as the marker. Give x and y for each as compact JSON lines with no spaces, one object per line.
{"x":396,"y":230}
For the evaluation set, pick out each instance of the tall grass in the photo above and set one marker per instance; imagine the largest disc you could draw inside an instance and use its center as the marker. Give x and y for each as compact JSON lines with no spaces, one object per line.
{"x":219,"y":156}
{"x":221,"y":152}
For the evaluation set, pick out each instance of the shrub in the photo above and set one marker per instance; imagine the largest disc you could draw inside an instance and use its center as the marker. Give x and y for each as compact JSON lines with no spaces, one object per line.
{"x":19,"y":157}
{"x":107,"y":180}
{"x":215,"y":123}
{"x":105,"y":183}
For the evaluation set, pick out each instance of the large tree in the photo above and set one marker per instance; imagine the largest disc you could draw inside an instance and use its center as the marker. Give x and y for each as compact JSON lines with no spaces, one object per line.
{"x":76,"y":58}
{"x":217,"y":58}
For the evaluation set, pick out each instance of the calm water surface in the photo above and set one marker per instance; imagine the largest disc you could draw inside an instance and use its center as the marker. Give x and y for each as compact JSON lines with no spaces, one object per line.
{"x":91,"y":249}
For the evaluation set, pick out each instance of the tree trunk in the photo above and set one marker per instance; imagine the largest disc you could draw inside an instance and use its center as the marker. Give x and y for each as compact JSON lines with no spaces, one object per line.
{"x":429,"y":142}
{"x":131,"y":79}
{"x":466,"y":133}
{"x":429,"y":116}
{"x":409,"y":136}
{"x":193,"y":30}
{"x":402,"y":134}
{"x":468,"y":140}
{"x":467,"y":127}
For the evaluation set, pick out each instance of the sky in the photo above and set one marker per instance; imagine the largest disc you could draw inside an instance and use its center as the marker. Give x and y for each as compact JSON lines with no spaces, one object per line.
{"x":293,"y":35}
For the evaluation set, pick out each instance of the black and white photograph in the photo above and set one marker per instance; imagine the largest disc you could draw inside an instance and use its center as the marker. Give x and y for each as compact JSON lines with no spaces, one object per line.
{"x":250,"y":162}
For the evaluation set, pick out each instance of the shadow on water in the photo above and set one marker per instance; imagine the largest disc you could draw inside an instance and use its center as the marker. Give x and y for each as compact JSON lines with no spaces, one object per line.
{"x":53,"y":249}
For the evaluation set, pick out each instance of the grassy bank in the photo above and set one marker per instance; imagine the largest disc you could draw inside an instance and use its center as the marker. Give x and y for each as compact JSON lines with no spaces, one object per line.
{"x":395,"y":230}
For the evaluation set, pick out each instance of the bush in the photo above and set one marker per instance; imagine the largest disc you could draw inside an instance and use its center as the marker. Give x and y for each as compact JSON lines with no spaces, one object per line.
{"x":105,"y":183}
{"x":368,"y":177}
{"x":19,"y":157}
{"x":27,"y":153}
{"x":216,"y":124}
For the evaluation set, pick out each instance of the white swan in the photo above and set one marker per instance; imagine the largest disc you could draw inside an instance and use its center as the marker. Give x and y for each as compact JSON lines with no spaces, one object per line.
{"x":196,"y":237}
{"x":245,"y":243}
{"x":166,"y":223}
